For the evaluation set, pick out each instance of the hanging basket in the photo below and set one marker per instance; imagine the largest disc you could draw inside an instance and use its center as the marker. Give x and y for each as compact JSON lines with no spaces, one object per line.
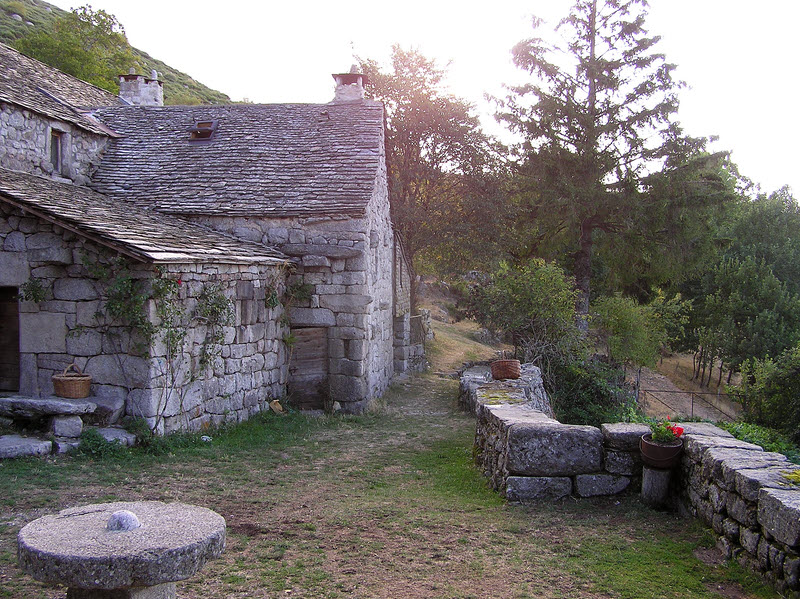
{"x":72,"y":383}
{"x":505,"y":369}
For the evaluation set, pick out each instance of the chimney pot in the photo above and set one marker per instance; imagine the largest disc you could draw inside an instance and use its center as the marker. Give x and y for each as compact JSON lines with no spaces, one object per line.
{"x":349,"y":86}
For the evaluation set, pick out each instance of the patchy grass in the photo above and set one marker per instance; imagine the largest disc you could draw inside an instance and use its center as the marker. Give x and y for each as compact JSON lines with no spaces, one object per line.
{"x":384,"y":505}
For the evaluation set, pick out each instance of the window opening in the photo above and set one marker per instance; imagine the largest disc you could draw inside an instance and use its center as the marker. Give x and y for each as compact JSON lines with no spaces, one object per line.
{"x":202,"y":130}
{"x":56,"y":150}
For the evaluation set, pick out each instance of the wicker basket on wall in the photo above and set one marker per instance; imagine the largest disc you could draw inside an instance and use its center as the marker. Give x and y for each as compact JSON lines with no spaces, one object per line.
{"x":505,"y":369}
{"x":72,"y":383}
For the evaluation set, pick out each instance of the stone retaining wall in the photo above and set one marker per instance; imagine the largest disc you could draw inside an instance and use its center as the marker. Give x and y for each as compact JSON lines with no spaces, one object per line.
{"x":734,"y":487}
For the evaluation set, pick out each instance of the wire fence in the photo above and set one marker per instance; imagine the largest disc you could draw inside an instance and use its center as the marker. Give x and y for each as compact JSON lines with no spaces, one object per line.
{"x":702,"y":405}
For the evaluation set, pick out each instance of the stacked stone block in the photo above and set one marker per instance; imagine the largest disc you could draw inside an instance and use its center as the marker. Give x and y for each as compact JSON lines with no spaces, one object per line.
{"x":65,"y":328}
{"x":25,"y":145}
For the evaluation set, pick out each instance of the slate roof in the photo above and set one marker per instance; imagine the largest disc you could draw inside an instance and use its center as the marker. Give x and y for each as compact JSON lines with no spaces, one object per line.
{"x":263,"y":160}
{"x":142,"y":234}
{"x":47,"y":91}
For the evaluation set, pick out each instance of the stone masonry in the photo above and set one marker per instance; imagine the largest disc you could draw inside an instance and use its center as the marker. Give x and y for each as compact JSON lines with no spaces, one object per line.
{"x":736,"y":488}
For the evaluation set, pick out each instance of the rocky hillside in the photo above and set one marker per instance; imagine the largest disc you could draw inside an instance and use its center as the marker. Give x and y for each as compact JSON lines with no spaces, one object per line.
{"x":18,"y":17}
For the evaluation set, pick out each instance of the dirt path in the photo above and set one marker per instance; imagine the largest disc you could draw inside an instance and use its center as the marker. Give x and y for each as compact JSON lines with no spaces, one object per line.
{"x":659,"y":397}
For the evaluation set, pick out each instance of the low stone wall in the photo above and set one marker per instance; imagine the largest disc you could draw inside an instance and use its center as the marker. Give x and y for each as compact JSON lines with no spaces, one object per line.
{"x":736,"y":488}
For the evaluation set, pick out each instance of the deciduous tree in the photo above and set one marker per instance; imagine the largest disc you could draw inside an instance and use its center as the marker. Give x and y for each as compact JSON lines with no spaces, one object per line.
{"x":89,"y":44}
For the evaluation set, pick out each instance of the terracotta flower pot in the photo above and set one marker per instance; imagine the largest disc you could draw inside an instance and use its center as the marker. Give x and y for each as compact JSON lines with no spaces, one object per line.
{"x":660,"y":455}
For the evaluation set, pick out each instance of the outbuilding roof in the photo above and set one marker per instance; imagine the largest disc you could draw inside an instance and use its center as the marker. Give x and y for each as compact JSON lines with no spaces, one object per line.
{"x":139,"y":233}
{"x":260,"y":160}
{"x":40,"y":88}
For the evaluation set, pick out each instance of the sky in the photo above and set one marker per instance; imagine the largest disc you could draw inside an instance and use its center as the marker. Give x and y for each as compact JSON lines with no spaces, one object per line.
{"x":739,"y":58}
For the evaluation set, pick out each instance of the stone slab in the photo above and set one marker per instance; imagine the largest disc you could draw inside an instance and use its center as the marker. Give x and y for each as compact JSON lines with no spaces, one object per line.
{"x":42,"y":332}
{"x":66,"y":426}
{"x":75,"y":548}
{"x":14,"y":269}
{"x":552,"y":449}
{"x":623,"y":435}
{"x":15,"y":446}
{"x":591,"y":485}
{"x":31,"y":407}
{"x":779,"y":514}
{"x":120,"y":435}
{"x":748,"y":482}
{"x":533,"y":488}
{"x":330,"y":251}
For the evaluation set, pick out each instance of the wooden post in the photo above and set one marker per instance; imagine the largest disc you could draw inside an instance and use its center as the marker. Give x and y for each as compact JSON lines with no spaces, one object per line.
{"x":655,"y":486}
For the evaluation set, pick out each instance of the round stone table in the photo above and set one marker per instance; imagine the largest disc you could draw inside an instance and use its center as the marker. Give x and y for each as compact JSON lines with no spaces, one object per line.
{"x":79,"y":548}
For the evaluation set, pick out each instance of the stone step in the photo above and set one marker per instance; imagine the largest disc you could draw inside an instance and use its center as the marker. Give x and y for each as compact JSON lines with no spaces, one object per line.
{"x":16,"y":446}
{"x":17,"y":406}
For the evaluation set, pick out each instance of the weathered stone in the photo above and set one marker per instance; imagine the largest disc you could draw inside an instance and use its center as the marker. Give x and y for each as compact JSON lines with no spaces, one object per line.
{"x":553,"y":449}
{"x":43,"y":332}
{"x":66,"y":426}
{"x":533,"y":488}
{"x":749,"y":540}
{"x":313,"y":317}
{"x":743,"y":512}
{"x":655,"y":486}
{"x":330,"y":251}
{"x":696,"y":445}
{"x":28,"y":407}
{"x":623,"y":435}
{"x":779,"y":514}
{"x":590,"y":485}
{"x":15,"y":446}
{"x":622,"y":462}
{"x":356,"y":304}
{"x":14,"y":269}
{"x":748,"y":482}
{"x":74,"y":289}
{"x":173,"y":543}
{"x":62,"y":445}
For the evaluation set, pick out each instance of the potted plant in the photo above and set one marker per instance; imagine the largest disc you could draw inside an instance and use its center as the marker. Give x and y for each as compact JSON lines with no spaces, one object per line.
{"x":662,"y":446}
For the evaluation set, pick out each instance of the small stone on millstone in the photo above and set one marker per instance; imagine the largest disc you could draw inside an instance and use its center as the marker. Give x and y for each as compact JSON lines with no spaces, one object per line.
{"x":123,"y":520}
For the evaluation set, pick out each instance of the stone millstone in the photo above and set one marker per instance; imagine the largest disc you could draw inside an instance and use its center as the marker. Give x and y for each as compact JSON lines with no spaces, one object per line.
{"x":75,"y":548}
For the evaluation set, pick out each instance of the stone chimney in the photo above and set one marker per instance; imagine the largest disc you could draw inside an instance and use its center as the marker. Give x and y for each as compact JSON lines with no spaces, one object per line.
{"x":349,"y":86}
{"x":140,"y":91}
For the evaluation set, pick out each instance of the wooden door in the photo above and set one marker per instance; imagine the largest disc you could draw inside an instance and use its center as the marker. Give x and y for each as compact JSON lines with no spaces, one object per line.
{"x":9,"y":339}
{"x":308,"y":369}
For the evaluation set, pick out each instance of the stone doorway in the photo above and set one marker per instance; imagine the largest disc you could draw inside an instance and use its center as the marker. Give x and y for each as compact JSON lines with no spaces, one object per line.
{"x":308,"y":369}
{"x":9,"y":339}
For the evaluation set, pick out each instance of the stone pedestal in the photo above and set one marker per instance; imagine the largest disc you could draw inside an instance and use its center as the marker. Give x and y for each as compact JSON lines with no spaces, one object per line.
{"x":655,"y":486}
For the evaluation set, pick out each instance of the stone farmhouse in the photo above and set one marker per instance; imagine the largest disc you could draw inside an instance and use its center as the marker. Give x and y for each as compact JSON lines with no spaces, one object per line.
{"x":279,"y":212}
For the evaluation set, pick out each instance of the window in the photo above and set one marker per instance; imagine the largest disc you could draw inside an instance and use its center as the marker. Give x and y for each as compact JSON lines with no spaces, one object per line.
{"x":202,"y":130}
{"x":57,"y":150}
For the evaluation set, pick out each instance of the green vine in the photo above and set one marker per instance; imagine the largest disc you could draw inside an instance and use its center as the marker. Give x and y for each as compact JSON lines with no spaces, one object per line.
{"x":32,"y":290}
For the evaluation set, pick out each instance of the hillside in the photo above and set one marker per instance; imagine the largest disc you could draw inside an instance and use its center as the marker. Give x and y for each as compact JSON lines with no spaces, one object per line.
{"x":179,"y":88}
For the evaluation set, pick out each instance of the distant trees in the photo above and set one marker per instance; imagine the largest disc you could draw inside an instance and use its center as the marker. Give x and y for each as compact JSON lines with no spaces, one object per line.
{"x":89,"y":44}
{"x":604,"y":161}
{"x":439,"y":159}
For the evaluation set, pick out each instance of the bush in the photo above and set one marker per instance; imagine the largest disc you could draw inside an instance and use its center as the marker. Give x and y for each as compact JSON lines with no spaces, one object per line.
{"x":768,"y":438}
{"x":631,"y":333}
{"x":590,"y":392}
{"x":95,"y":445}
{"x":534,"y":304}
{"x":770,"y":392}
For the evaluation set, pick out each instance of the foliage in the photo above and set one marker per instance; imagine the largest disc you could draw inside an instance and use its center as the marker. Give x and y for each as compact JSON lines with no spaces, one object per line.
{"x":663,"y":431}
{"x":590,"y":392}
{"x":768,"y":438}
{"x":89,"y":44}
{"x":32,"y":290}
{"x":631,"y":333}
{"x":767,"y":229}
{"x":179,"y":88}
{"x":216,"y":311}
{"x":747,"y":312}
{"x":770,"y":392}
{"x":673,"y":315}
{"x":94,"y":444}
{"x":438,"y":157}
{"x":534,"y":304}
{"x":603,"y":158}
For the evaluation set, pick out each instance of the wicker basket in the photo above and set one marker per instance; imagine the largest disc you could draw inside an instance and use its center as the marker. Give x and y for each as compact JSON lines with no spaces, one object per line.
{"x":505,"y":369}
{"x":72,"y":385}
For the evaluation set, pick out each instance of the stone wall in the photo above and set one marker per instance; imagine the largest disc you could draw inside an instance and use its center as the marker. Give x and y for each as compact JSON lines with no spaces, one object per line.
{"x":348,"y":264}
{"x":736,"y":488}
{"x":25,"y":145}
{"x":71,"y":325}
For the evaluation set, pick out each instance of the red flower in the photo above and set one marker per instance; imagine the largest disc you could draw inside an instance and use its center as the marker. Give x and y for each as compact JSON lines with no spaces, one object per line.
{"x":676,"y":430}
{"x":179,"y":281}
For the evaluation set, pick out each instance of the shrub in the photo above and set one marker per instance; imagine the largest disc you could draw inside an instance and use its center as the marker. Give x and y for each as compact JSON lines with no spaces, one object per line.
{"x":770,"y":392}
{"x":590,"y":392}
{"x":768,"y":438}
{"x":631,"y":333}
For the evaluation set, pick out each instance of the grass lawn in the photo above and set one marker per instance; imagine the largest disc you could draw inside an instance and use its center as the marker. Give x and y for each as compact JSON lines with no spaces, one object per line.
{"x":382,"y":505}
